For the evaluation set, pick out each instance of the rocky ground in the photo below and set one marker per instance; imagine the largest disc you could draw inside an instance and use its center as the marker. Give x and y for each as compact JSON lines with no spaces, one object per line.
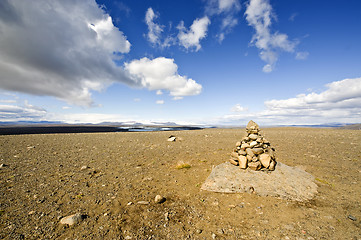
{"x":110,"y":180}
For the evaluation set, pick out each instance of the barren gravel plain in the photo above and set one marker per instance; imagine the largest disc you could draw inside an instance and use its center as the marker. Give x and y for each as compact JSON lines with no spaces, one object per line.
{"x":43,"y":179}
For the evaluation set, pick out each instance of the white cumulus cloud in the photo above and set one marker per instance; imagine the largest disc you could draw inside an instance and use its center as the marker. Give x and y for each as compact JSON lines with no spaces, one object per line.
{"x":190,"y":38}
{"x":259,"y":15}
{"x":63,"y":49}
{"x":154,"y":30}
{"x":162,"y":74}
{"x":159,"y":102}
{"x":339,"y":103}
{"x":68,"y":49}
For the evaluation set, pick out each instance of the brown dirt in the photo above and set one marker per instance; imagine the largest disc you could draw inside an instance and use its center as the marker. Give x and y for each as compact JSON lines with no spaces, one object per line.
{"x":44,"y":182}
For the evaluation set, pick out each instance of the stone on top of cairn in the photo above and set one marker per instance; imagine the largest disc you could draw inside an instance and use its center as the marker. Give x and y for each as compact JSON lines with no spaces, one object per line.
{"x":254,"y":151}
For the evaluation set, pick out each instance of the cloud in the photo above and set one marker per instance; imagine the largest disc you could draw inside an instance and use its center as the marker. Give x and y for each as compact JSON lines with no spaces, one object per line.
{"x":26,"y":112}
{"x":302,"y":55}
{"x":7,"y":101}
{"x":340,"y":102}
{"x":238,"y":108}
{"x":67,"y":49}
{"x":159,"y":102}
{"x":227,"y":11}
{"x":159,"y":92}
{"x":63,"y":49}
{"x":293,"y":16}
{"x":191,"y":38}
{"x":154,"y":30}
{"x":162,"y":74}
{"x":259,"y":15}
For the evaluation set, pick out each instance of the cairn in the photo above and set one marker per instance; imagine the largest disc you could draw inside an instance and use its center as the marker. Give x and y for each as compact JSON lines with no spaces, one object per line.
{"x":254,"y":151}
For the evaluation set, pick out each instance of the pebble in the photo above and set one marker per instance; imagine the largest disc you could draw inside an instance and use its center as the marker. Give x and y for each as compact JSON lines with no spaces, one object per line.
{"x":143,"y":202}
{"x":257,"y":151}
{"x":352,"y":218}
{"x":253,"y":143}
{"x":3,"y":165}
{"x":265,"y":159}
{"x":172,"y":139}
{"x":84,"y":167}
{"x":166,"y":216}
{"x":72,"y":219}
{"x":234,"y":162}
{"x":129,"y":203}
{"x":253,"y":136}
{"x":242,"y":162}
{"x":159,"y":199}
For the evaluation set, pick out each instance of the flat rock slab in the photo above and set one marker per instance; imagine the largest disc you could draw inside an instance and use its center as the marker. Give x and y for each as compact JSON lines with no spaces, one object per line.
{"x":285,"y":182}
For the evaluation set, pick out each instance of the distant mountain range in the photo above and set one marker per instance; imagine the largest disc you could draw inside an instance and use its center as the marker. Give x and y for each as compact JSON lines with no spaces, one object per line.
{"x":169,"y":124}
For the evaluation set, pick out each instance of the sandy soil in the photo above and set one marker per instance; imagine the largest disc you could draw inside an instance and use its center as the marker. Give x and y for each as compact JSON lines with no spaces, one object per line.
{"x":43,"y":182}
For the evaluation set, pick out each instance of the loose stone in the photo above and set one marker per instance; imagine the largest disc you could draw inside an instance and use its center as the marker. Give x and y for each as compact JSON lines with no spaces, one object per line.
{"x":249,"y":152}
{"x":84,"y":167}
{"x":72,"y":219}
{"x":265,"y":159}
{"x":257,"y":151}
{"x":253,"y":144}
{"x":254,"y":166}
{"x":253,"y":136}
{"x":242,"y":152}
{"x":234,"y":162}
{"x":242,"y":162}
{"x":244,"y":146}
{"x":234,"y":155}
{"x":159,"y":199}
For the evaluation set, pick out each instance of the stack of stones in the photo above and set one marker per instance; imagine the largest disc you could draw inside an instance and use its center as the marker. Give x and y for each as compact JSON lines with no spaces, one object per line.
{"x":254,"y":151}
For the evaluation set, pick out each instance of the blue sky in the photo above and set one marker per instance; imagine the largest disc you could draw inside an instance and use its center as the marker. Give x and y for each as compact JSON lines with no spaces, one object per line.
{"x":190,"y":62}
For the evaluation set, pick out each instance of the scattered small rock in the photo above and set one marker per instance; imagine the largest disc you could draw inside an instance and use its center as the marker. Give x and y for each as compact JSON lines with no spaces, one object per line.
{"x":352,"y":218}
{"x":129,"y":203}
{"x":171,"y":138}
{"x":84,"y":167}
{"x":143,"y":202}
{"x":72,"y":219}
{"x":159,"y":199}
{"x":3,"y":165}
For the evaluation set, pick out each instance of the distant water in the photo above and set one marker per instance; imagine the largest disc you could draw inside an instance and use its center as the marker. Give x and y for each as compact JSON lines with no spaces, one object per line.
{"x":155,"y":129}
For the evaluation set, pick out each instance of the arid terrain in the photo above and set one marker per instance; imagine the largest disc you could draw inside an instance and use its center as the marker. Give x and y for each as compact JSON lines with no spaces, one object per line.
{"x":43,"y":179}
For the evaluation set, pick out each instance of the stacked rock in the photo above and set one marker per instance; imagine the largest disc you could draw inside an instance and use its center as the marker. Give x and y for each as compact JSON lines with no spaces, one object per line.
{"x":254,"y":151}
